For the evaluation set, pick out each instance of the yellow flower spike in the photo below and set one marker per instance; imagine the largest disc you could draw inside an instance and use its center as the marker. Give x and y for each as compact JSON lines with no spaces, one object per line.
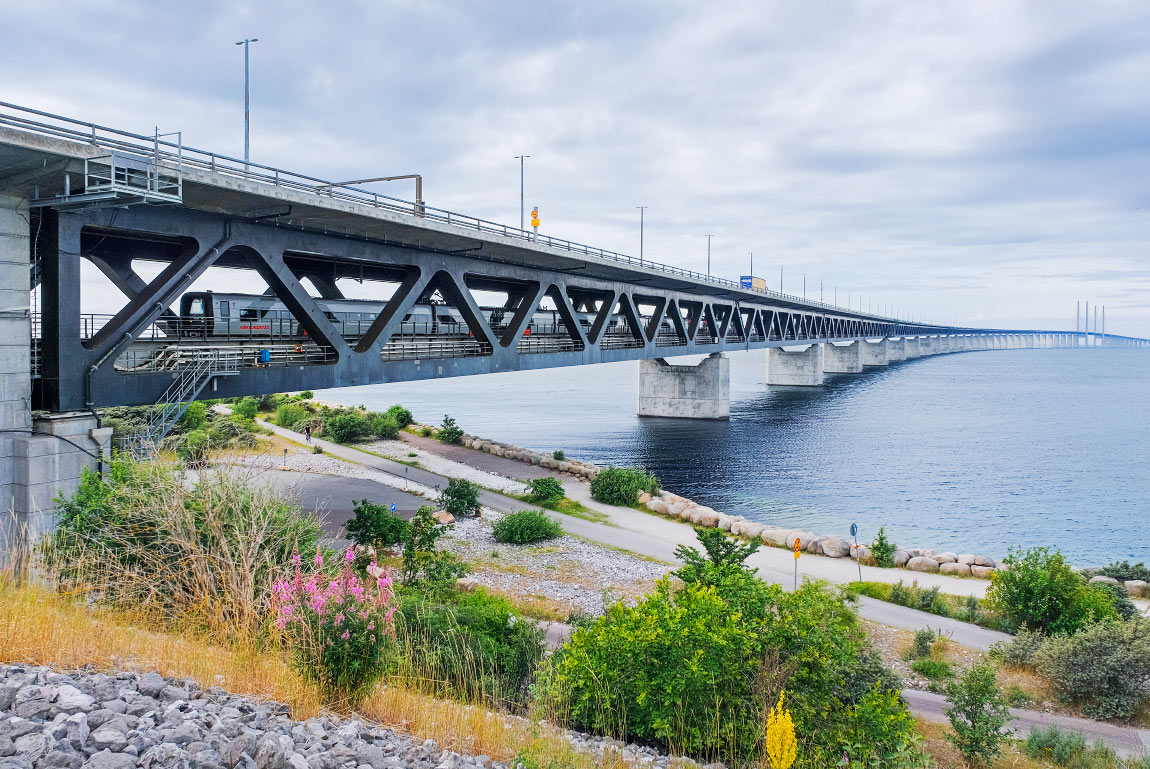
{"x":780,"y":736}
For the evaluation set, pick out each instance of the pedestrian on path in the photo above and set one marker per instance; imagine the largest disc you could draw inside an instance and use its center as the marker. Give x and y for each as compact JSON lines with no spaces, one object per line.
{"x":307,"y":433}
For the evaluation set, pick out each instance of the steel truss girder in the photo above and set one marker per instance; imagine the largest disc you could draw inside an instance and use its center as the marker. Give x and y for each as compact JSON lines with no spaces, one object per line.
{"x":79,"y":375}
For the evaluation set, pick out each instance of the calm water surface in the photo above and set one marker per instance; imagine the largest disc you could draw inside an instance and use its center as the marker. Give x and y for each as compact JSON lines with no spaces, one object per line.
{"x":970,"y":452}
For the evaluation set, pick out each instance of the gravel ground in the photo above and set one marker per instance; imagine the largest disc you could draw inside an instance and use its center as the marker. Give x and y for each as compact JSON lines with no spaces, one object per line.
{"x":568,"y":570}
{"x":54,"y":720}
{"x":399,"y":450}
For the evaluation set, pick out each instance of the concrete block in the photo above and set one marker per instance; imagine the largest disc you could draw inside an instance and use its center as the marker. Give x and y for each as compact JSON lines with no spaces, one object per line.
{"x":796,"y":368}
{"x":686,"y":392}
{"x":874,"y":353}
{"x":896,"y":350}
{"x":843,"y":359}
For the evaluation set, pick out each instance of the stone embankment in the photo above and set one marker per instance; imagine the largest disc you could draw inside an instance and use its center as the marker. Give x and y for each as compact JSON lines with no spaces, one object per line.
{"x":54,"y":720}
{"x":1136,"y":587}
{"x":675,"y":506}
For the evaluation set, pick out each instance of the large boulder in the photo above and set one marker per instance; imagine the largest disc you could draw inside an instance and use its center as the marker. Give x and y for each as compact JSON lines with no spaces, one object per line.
{"x":836,"y":547}
{"x":900,"y":557}
{"x":657,"y":506}
{"x":675,"y":506}
{"x":709,"y":520}
{"x":954,"y":569}
{"x":982,"y":572}
{"x":773,"y":535}
{"x":860,"y":552}
{"x":644,"y":497}
{"x":944,"y":557}
{"x":1100,"y":578}
{"x":804,"y":538}
{"x":915,"y":552}
{"x":966,"y":558}
{"x":1137,"y":587}
{"x":922,"y":563}
{"x":815,"y":546}
{"x":752,"y":530}
{"x":984,"y":560}
{"x":725,"y":522}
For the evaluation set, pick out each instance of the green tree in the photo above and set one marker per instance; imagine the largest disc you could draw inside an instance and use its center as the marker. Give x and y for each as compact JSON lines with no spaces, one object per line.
{"x":449,"y":432}
{"x":882,"y":549}
{"x":977,"y":713}
{"x":385,"y":426}
{"x":401,"y":415}
{"x":247,"y":408}
{"x":422,"y":560}
{"x":1039,"y":591}
{"x":346,"y":426}
{"x":194,"y":416}
{"x":545,"y":489}
{"x":460,"y":498}
{"x":374,"y":525}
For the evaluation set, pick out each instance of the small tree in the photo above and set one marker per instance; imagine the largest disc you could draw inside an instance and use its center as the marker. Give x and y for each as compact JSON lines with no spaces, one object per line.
{"x":248,"y":408}
{"x":882,"y":549}
{"x":545,"y":489}
{"x":1039,"y":591}
{"x":385,"y":426}
{"x":401,"y":415}
{"x":375,"y":526}
{"x":194,"y":416}
{"x":460,"y":498}
{"x":449,"y":432}
{"x":977,"y":713}
{"x":422,"y":562}
{"x":346,"y":426}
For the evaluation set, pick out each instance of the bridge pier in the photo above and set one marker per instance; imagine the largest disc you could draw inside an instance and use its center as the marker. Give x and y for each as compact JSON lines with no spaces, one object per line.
{"x":801,"y":368}
{"x":874,"y":353}
{"x":702,"y":391}
{"x":911,"y":347}
{"x":842,"y":359}
{"x":36,"y":463}
{"x":927,"y":345}
{"x":896,"y":350}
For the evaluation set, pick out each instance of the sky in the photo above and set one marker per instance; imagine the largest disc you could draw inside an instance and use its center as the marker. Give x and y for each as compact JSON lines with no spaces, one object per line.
{"x":975,"y":162}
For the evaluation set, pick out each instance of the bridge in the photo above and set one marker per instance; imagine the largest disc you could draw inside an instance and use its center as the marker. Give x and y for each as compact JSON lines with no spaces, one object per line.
{"x":453,"y":295}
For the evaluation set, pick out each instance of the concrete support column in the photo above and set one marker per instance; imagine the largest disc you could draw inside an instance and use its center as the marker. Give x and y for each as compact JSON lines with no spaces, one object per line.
{"x":928,"y":345}
{"x":912,"y":347}
{"x":687,"y":392}
{"x":842,"y":359}
{"x":874,"y":353}
{"x":800,"y":368}
{"x":896,"y":349}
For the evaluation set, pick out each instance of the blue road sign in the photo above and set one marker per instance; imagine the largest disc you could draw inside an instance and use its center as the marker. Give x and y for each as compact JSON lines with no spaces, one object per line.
{"x":854,"y":529}
{"x":393,"y":507}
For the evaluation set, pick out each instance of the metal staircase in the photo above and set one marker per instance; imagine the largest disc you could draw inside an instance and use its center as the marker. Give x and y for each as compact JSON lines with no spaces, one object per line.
{"x":200,"y":369}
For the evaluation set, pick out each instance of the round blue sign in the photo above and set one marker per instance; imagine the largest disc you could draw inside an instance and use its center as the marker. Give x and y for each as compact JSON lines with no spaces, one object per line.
{"x":854,"y":529}
{"x":393,"y":507}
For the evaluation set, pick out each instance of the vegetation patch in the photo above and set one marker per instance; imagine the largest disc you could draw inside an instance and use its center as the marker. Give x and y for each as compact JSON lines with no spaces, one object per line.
{"x":622,"y":485}
{"x":526,"y":527}
{"x":932,"y":600}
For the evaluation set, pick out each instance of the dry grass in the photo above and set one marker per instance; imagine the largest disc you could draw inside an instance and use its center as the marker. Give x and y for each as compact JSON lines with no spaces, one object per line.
{"x":42,"y":628}
{"x":948,"y":757}
{"x":537,"y":606}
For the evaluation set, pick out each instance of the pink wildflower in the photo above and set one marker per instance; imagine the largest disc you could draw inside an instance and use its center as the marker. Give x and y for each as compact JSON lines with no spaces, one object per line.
{"x":295,"y":559}
{"x":350,"y":554}
{"x":339,"y":618}
{"x":345,"y":635}
{"x":318,"y":558}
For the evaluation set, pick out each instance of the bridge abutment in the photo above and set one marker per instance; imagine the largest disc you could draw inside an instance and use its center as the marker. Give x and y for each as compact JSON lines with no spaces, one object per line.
{"x":799,"y":368}
{"x":42,"y":457}
{"x":874,"y":353}
{"x":702,"y":391}
{"x":842,"y":359}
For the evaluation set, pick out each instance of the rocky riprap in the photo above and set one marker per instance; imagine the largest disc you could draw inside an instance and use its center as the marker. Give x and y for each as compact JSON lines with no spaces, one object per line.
{"x":68,"y":720}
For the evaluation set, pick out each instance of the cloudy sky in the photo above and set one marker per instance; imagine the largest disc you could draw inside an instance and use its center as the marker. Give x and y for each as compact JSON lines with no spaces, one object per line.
{"x":982,"y":161}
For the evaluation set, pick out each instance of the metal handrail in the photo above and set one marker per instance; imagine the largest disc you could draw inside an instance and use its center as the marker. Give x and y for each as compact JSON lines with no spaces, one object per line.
{"x":112,"y":138}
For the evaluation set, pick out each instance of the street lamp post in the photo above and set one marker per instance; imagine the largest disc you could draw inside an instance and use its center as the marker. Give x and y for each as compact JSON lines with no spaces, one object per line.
{"x":247,"y":122}
{"x":709,"y":255}
{"x":642,"y":210}
{"x":804,"y":285}
{"x":521,"y":158}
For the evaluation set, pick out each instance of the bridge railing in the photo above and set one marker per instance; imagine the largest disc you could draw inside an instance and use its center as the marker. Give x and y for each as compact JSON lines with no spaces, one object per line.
{"x":180,"y":155}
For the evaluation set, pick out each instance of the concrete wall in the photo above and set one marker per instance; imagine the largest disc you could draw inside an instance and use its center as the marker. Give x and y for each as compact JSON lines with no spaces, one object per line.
{"x":843,"y":359}
{"x":896,"y":350}
{"x":802,"y":368}
{"x":687,"y":392}
{"x":36,"y":465}
{"x":874,"y":353}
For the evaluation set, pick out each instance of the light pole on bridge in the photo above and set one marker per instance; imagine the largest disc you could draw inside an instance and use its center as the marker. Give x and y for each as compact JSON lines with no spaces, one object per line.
{"x":521,"y":158}
{"x":642,"y":210}
{"x":709,"y":255}
{"x":247,"y":122}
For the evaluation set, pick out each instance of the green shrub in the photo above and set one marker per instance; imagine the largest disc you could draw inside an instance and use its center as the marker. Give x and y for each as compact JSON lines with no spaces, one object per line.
{"x":526,"y":526}
{"x":460,"y":498}
{"x":1104,"y":668}
{"x":194,"y":416}
{"x":1119,"y":598}
{"x":423,"y":562}
{"x":977,"y":714}
{"x":306,"y":395}
{"x":901,"y":594}
{"x":558,"y":455}
{"x":1124,"y":570}
{"x":401,"y":415}
{"x":384,"y":426}
{"x":143,"y":539}
{"x":271,"y":401}
{"x":233,"y":430}
{"x":621,"y":485}
{"x":426,"y":431}
{"x":375,"y":526}
{"x":317,"y":449}
{"x":193,"y":449}
{"x":466,"y":645}
{"x":1016,"y":697}
{"x":449,"y":432}
{"x":1020,"y":651}
{"x":935,"y":670}
{"x":288,"y":414}
{"x":347,"y":426}
{"x":545,"y":489}
{"x":923,"y":641}
{"x":248,"y":407}
{"x":1041,"y":592}
{"x":882,"y":550}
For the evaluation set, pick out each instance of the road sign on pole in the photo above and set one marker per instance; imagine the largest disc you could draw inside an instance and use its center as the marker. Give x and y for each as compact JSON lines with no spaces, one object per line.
{"x":858,"y":553}
{"x":393,"y":507}
{"x":798,"y":549}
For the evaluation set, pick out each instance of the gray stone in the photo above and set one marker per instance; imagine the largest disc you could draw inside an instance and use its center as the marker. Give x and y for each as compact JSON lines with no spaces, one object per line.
{"x":922,"y":563}
{"x":954,"y":569}
{"x":60,"y":759}
{"x":244,"y":744}
{"x":141,"y":706}
{"x":815,"y":546}
{"x":184,"y":734}
{"x":7,"y":696}
{"x":108,"y":760}
{"x":966,"y":558}
{"x":836,"y":547}
{"x":982,"y":572}
{"x":33,"y":702}
{"x":900,"y":557}
{"x":942,"y":558}
{"x":173,"y":694}
{"x":73,"y":730}
{"x":297,"y":761}
{"x":17,"y":727}
{"x":7,"y":747}
{"x":270,"y":754}
{"x":984,"y":560}
{"x":32,"y":746}
{"x":108,"y":738}
{"x":1137,"y":587}
{"x":151,"y":684}
{"x":69,"y":699}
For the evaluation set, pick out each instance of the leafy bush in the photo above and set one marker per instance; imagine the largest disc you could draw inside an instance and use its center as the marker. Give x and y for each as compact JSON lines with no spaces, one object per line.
{"x":347,"y":426}
{"x":338,"y":629}
{"x":621,"y":485}
{"x":142,"y":539}
{"x":375,"y":526}
{"x":1020,"y":651}
{"x":449,"y":432}
{"x":1069,"y":749}
{"x":545,"y":489}
{"x":460,"y":498}
{"x":1119,"y":597}
{"x":1104,"y":668}
{"x":935,"y":670}
{"x":194,"y":416}
{"x":722,"y":563}
{"x":1040,"y":591}
{"x":1124,"y":570}
{"x":977,"y":715}
{"x":306,"y":395}
{"x":930,"y":600}
{"x":882,"y":550}
{"x":923,"y":641}
{"x":317,"y":449}
{"x":193,"y":450}
{"x":401,"y":415}
{"x":422,"y":561}
{"x":232,"y":430}
{"x":288,"y":414}
{"x":248,"y":407}
{"x":526,"y":526}
{"x":385,"y":426}
{"x":426,"y":431}
{"x":558,"y":455}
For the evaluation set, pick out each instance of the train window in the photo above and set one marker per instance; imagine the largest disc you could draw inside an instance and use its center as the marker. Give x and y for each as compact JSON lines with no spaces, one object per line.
{"x":447,"y":319}
{"x":196,"y":306}
{"x":407,"y":317}
{"x":249,"y":314}
{"x":225,"y":309}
